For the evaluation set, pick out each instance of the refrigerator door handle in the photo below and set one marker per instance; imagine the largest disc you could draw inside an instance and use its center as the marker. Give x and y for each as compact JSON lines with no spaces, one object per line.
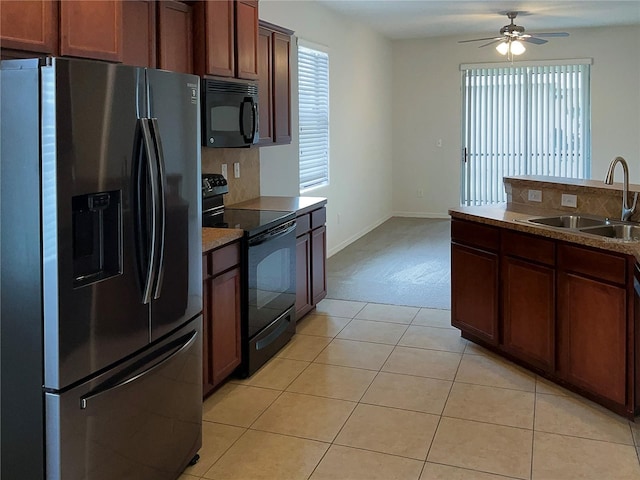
{"x":114,"y":383}
{"x":161,"y":211}
{"x":152,"y":168}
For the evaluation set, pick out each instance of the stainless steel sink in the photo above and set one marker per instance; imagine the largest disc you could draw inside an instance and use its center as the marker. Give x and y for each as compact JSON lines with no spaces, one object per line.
{"x":570,"y":221}
{"x":618,"y":231}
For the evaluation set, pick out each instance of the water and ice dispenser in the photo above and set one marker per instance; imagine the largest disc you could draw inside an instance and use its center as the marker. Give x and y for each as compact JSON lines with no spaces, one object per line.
{"x":97,"y":244}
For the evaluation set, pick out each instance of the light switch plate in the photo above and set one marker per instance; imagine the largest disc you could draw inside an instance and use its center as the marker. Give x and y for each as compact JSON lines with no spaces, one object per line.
{"x":224,"y":170}
{"x":236,"y":170}
{"x":535,"y":195}
{"x":569,"y":200}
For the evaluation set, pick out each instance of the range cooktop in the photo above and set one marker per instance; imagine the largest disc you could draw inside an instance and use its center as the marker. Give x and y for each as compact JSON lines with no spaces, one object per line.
{"x":253,"y":222}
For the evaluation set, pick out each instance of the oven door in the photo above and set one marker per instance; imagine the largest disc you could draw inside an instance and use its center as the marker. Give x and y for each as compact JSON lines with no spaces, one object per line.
{"x":271,"y":276}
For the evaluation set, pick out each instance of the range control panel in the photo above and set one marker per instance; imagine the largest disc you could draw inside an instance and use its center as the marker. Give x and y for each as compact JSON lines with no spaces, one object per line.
{"x":213,"y":184}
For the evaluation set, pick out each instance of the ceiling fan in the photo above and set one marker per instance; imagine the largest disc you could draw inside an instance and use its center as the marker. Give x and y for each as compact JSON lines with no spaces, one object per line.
{"x":512,"y":36}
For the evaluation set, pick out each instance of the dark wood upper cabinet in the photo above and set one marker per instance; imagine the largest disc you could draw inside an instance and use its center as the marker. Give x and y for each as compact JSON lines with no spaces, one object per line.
{"x":247,"y":39}
{"x":139,"y":33}
{"x":282,"y":88}
{"x":175,"y":36}
{"x":91,"y":29}
{"x":265,"y":81}
{"x":214,"y":33}
{"x":30,"y":26}
{"x":274,"y":84}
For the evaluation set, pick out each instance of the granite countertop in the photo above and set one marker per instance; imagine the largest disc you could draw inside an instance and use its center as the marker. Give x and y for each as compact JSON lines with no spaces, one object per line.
{"x":218,"y":237}
{"x":515,"y":217}
{"x":300,"y":205}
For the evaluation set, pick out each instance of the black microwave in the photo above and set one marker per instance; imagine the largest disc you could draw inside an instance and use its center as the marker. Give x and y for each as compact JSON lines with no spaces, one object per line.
{"x":229,"y":113}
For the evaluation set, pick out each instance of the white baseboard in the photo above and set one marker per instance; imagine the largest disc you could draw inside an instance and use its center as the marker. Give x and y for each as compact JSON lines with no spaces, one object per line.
{"x":356,"y":236}
{"x":440,"y":216}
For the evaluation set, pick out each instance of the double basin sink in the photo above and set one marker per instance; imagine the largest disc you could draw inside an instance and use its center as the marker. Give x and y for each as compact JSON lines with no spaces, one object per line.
{"x":602,"y":227}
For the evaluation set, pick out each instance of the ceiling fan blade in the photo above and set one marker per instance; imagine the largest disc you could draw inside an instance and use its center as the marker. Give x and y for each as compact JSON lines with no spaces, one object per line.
{"x":495,"y":40}
{"x":551,"y":34}
{"x":534,"y":40}
{"x":477,"y":39}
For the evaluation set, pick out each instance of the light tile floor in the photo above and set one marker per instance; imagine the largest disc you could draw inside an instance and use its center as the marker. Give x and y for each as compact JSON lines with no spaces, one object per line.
{"x":371,"y":391}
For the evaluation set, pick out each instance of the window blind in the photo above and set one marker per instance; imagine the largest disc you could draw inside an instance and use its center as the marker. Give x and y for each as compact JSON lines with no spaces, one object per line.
{"x":313,"y":105}
{"x":526,"y":120}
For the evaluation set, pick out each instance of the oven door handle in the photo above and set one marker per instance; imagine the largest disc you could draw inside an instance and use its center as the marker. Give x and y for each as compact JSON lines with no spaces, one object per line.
{"x":265,"y":237}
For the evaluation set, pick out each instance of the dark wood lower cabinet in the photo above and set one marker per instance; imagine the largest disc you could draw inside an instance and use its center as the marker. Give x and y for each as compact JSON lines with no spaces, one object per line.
{"x":567,"y":311}
{"x":221,"y":351}
{"x":311,"y":257}
{"x":474,"y":292}
{"x":528,"y":311}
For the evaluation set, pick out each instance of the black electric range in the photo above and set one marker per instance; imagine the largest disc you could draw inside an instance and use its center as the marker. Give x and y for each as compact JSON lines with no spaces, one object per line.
{"x":269,"y":272}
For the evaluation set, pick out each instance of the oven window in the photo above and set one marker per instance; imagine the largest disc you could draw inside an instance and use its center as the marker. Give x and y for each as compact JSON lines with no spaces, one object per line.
{"x":273,"y":277}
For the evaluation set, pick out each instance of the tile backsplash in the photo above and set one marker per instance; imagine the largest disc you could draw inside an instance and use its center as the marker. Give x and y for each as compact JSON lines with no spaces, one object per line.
{"x":240,"y":189}
{"x":593,"y":196}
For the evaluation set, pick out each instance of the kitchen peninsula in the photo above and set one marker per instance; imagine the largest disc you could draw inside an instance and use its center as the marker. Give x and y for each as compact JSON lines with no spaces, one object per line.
{"x":558,"y":300}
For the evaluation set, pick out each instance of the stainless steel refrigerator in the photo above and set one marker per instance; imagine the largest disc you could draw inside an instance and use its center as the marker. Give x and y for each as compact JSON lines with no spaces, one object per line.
{"x":101,"y":282}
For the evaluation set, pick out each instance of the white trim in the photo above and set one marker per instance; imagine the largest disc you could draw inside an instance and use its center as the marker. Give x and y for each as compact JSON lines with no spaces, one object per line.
{"x":530,"y":63}
{"x":356,"y":236}
{"x":433,"y":215}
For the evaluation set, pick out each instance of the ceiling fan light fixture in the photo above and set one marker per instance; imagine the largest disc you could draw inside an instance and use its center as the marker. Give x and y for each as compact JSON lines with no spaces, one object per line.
{"x":503,"y":48}
{"x":517,"y":47}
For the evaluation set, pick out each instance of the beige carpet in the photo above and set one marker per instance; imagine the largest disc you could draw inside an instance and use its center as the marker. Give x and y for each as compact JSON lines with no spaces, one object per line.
{"x":405,"y":261}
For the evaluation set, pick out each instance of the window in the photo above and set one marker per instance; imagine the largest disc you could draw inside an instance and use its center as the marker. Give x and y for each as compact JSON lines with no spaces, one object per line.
{"x":524,"y":120}
{"x":313,"y":106}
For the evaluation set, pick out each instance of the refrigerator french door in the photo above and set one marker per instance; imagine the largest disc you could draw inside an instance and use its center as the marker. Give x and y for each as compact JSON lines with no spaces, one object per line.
{"x":112,"y":322}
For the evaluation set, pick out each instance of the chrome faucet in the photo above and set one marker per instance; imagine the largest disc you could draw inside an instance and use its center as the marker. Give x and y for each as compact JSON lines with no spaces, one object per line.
{"x":626,"y":211}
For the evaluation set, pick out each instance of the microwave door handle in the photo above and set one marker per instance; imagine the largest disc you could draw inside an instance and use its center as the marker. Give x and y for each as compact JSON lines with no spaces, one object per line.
{"x":245,"y":137}
{"x":254,"y":123}
{"x":161,"y":208}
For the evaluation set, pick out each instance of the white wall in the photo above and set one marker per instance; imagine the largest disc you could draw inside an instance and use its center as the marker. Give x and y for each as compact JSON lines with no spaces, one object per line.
{"x":427,"y":105}
{"x":360,"y":161}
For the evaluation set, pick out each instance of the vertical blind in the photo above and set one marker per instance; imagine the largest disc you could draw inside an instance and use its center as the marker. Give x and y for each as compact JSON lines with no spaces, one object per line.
{"x":313,"y":88}
{"x":525,"y":120}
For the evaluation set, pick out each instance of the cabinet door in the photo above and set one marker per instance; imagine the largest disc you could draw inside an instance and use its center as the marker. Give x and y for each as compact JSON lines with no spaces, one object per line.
{"x":474,"y":292}
{"x":528,"y":312}
{"x":139,"y":33}
{"x":29,"y":25}
{"x":247,"y":39}
{"x":175,"y":31}
{"x":592,"y":328}
{"x":225,"y":325}
{"x":303,"y":275}
{"x":219,"y":41}
{"x":318,"y":258}
{"x":265,"y":93}
{"x":91,"y":29}
{"x":281,"y":88}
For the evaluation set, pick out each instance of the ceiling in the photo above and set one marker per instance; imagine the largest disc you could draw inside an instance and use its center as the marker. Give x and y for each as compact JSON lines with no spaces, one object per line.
{"x":403,"y":19}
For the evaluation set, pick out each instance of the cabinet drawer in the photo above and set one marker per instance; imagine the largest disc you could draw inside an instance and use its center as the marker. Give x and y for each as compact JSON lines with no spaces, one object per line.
{"x":604,"y":266}
{"x":303,"y":224}
{"x":528,"y":247}
{"x":318,"y":218}
{"x":224,"y":258}
{"x":476,"y":234}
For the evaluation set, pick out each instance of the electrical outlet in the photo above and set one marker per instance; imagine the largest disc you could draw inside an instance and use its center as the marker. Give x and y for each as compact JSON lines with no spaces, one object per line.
{"x":236,"y":170}
{"x":439,"y":143}
{"x":535,"y":195}
{"x":224,"y":170}
{"x":420,"y":193}
{"x":569,"y":200}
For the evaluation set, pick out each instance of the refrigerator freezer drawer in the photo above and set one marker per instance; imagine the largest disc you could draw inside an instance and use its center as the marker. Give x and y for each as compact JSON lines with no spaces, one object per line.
{"x":141,"y":420}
